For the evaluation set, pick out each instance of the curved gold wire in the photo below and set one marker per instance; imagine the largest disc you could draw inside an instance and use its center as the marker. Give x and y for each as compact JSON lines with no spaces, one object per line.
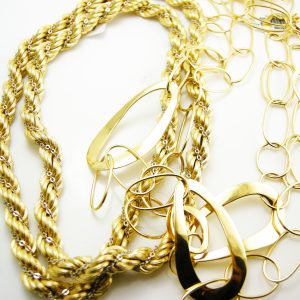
{"x":270,"y":251}
{"x":110,"y":164}
{"x":274,"y":146}
{"x":296,"y":77}
{"x":147,"y":236}
{"x":265,"y":119}
{"x":204,"y":70}
{"x":215,"y":55}
{"x":294,"y":231}
{"x":229,"y":6}
{"x":184,"y":266}
{"x":237,"y":21}
{"x":170,"y":261}
{"x":296,"y":118}
{"x":137,"y":193}
{"x":153,"y":209}
{"x":293,"y":47}
{"x":275,"y":204}
{"x":264,"y":23}
{"x":291,"y":141}
{"x":234,"y":53}
{"x":98,"y":143}
{"x":266,"y":78}
{"x":133,"y":153}
{"x":276,"y":284}
{"x":200,"y":285}
{"x":152,"y":178}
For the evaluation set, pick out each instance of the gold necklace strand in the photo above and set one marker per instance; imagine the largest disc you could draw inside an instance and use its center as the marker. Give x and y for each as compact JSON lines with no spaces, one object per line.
{"x":138,"y":196}
{"x":279,"y":25}
{"x":31,"y":60}
{"x":277,"y":228}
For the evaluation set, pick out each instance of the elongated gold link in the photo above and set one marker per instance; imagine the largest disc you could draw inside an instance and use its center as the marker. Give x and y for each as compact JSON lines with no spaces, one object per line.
{"x":161,"y":255}
{"x":52,"y":175}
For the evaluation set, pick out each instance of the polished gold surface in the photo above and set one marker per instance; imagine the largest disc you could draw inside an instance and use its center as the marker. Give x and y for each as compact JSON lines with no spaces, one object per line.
{"x":181,"y":136}
{"x":184,"y":264}
{"x":94,"y":158}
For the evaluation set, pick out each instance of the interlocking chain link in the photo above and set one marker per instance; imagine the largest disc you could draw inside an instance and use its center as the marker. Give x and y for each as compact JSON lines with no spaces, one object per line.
{"x":190,"y":62}
{"x":81,"y":277}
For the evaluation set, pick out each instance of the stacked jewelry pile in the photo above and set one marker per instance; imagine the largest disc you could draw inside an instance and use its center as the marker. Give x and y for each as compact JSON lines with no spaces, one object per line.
{"x":182,"y":135}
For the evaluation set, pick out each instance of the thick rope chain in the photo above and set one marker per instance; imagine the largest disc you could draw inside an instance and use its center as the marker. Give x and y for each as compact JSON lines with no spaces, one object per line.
{"x":84,"y":277}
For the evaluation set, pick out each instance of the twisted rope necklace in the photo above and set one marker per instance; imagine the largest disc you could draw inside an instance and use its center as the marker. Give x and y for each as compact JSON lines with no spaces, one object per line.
{"x":172,"y":139}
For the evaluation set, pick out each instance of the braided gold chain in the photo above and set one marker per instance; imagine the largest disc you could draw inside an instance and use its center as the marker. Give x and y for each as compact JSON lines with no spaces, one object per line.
{"x":80,"y":277}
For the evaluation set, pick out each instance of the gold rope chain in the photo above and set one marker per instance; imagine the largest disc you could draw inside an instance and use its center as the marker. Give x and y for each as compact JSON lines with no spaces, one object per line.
{"x":182,"y":135}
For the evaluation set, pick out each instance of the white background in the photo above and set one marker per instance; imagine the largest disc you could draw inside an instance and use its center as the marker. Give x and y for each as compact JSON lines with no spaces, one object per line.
{"x":84,"y":87}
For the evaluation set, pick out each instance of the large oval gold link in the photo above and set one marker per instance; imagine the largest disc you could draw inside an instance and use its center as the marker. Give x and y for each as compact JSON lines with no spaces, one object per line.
{"x":267,"y":16}
{"x":266,"y":82}
{"x":277,"y":50}
{"x":232,"y":80}
{"x":268,"y":110}
{"x":61,"y":36}
{"x":263,"y":238}
{"x":190,"y":291}
{"x":96,"y":148}
{"x":274,"y":147}
{"x":109,"y":162}
{"x":184,"y":266}
{"x":265,"y":258}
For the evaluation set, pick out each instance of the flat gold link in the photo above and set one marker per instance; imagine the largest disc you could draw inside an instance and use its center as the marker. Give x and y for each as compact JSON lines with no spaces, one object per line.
{"x":235,"y":8}
{"x":200,"y":285}
{"x":241,"y":295}
{"x":96,"y":147}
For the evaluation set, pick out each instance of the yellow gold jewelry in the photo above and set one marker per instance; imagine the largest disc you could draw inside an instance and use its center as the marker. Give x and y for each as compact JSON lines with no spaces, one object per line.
{"x":181,"y":135}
